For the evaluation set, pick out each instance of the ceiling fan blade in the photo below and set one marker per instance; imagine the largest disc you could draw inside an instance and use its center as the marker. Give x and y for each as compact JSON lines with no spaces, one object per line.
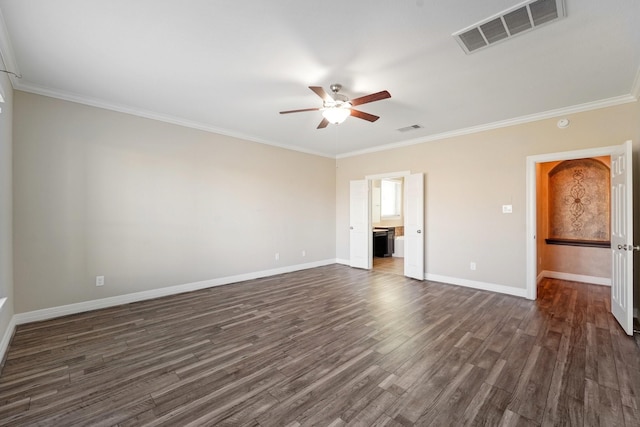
{"x":364,"y":116}
{"x":323,"y":124}
{"x":321,"y":93}
{"x":371,"y":98}
{"x":299,"y":111}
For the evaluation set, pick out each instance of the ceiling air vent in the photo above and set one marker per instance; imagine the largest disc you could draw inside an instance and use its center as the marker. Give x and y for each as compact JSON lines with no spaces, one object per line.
{"x":408,"y":128}
{"x":516,"y":20}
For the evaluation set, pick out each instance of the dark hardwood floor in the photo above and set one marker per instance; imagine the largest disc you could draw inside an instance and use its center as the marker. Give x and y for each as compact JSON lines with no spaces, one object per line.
{"x":330,"y":346}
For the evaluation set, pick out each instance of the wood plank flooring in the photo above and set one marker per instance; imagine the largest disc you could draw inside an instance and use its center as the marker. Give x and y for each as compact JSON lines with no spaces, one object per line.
{"x":392,"y":265}
{"x":330,"y":346}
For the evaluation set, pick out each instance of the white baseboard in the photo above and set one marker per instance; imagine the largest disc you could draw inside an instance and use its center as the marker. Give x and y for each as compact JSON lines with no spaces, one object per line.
{"x":343,"y":261}
{"x":53,"y":312}
{"x":65,"y":310}
{"x":604,"y":281}
{"x":493,"y":287}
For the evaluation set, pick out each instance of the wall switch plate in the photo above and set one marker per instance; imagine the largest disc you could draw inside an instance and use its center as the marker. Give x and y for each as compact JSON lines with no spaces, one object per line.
{"x":472,"y":266}
{"x":507,"y":208}
{"x":277,"y":256}
{"x":99,"y":280}
{"x":304,"y":253}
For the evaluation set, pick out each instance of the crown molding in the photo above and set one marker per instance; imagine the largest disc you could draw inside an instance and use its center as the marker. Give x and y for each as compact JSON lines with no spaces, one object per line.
{"x":7,"y":56}
{"x":604,"y":103}
{"x":147,"y":114}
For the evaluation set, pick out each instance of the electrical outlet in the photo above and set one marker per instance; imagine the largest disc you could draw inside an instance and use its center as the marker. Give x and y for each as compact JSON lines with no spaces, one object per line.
{"x":304,"y":253}
{"x":472,"y":266}
{"x":507,"y":209}
{"x":277,"y":256}
{"x":99,"y":280}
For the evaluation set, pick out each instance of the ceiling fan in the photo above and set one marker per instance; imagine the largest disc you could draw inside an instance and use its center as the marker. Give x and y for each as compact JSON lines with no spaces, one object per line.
{"x":336,"y":107}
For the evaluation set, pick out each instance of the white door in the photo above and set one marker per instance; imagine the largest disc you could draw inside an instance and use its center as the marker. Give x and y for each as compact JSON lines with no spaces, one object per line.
{"x":359,"y":227}
{"x":622,"y":237}
{"x":414,"y":226}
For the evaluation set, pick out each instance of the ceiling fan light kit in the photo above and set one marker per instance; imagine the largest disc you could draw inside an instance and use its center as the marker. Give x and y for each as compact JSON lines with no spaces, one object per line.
{"x":336,"y":115}
{"x":337,"y":107}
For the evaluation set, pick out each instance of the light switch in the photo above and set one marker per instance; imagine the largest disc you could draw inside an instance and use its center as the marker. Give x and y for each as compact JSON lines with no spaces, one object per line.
{"x":507,"y":208}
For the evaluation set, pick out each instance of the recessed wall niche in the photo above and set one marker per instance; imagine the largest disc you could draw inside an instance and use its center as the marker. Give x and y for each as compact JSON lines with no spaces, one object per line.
{"x":579,"y":203}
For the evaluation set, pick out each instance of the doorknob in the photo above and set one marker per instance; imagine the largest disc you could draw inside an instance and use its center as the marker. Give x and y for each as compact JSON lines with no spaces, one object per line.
{"x":351,"y":228}
{"x":419,"y":231}
{"x":629,"y":247}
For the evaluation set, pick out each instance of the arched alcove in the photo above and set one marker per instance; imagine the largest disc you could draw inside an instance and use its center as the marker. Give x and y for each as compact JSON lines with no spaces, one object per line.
{"x":579,"y":203}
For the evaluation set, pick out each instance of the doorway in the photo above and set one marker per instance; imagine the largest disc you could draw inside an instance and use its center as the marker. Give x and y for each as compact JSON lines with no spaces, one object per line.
{"x":387,"y":221}
{"x":361,"y":225}
{"x":573,"y":220}
{"x":621,"y":226}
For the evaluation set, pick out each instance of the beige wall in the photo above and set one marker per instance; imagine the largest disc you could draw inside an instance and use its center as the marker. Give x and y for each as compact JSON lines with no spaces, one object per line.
{"x":6,"y":227}
{"x":149,"y":204}
{"x":467,"y":180}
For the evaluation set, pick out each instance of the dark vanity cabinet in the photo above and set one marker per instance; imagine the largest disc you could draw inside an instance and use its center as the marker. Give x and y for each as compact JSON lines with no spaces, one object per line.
{"x":383,"y":241}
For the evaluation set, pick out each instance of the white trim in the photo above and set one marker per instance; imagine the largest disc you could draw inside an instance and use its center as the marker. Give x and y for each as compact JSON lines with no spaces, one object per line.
{"x":8,"y":333}
{"x":485,"y":286}
{"x":609,"y":102}
{"x":531,"y":217}
{"x":577,"y":154}
{"x":343,"y":261}
{"x":147,"y":114}
{"x":531,"y":227}
{"x":593,"y":280}
{"x":80,"y":99}
{"x":50,"y":313}
{"x":387,"y":175}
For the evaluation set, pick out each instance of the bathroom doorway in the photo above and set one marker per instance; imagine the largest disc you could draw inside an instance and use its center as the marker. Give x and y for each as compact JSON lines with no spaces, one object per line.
{"x":361,"y":231}
{"x":387,"y":220}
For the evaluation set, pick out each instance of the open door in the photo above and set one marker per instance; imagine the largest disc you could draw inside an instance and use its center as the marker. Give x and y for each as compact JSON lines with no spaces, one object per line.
{"x":414,"y":226}
{"x":359,"y":227}
{"x":622,"y":237}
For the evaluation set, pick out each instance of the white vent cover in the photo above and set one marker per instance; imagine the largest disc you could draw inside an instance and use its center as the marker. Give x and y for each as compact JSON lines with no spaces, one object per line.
{"x":509,"y":23}
{"x":408,"y":128}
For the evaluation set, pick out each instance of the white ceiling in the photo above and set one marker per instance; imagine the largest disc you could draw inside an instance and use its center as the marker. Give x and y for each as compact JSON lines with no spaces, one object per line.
{"x":230,"y":66}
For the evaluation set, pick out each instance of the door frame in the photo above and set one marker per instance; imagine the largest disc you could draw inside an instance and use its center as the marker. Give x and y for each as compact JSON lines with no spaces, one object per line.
{"x":532,"y":203}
